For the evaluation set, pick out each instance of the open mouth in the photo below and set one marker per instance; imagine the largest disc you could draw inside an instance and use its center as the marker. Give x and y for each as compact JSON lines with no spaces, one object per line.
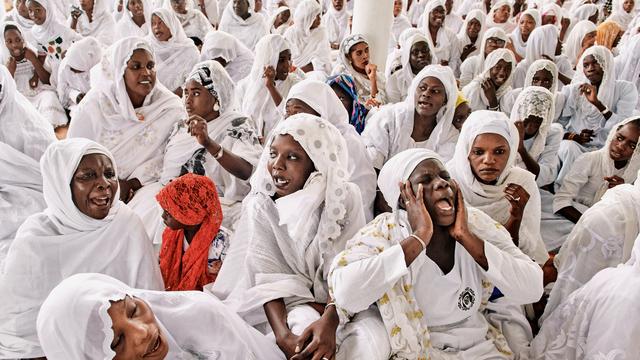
{"x":101,"y":201}
{"x":444,"y":206}
{"x":425,"y":105}
{"x":144,"y":82}
{"x":154,"y":347}
{"x":280,"y":182}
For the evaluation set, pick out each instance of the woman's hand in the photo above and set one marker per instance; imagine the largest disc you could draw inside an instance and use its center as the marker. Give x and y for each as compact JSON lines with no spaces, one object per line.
{"x":128,"y":189}
{"x":585,"y":136}
{"x":468,"y":49}
{"x":288,"y":344}
{"x":417,"y":213}
{"x":33,"y":82}
{"x":371,"y":103}
{"x":518,"y":198}
{"x":520,"y":126}
{"x":197,"y":127}
{"x":590,"y":92}
{"x":371,"y":69}
{"x":460,"y":228}
{"x":12,"y":65}
{"x":614,"y":180}
{"x":320,"y":336}
{"x":30,"y":55}
{"x":490,"y":93}
{"x":269,"y":75}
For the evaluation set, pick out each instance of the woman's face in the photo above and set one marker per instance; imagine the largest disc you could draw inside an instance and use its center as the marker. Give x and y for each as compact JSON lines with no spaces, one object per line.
{"x":283,"y":17}
{"x":624,"y":142}
{"x":548,"y":19}
{"x":241,"y":7}
{"x":136,"y":7}
{"x":87,"y":6}
{"x":594,"y":18}
{"x":94,"y":186}
{"x":543,"y":78}
{"x":14,"y":42}
{"x":37,"y":13}
{"x":430,"y":96}
{"x":337,"y":4}
{"x":419,"y":56}
{"x":501,"y":15}
{"x":500,"y":73}
{"x":526,"y":24}
{"x":592,"y":70}
{"x":531,"y":126}
{"x":296,"y":106}
{"x":439,"y":195}
{"x":473,"y":28}
{"x":316,"y":22}
{"x":289,"y":165}
{"x":284,"y":64}
{"x":23,"y":10}
{"x":359,"y":55}
{"x":179,"y":6}
{"x":160,"y":29}
{"x":589,"y":40}
{"x":344,"y":97}
{"x":171,"y":222}
{"x":140,"y":74}
{"x":628,"y":5}
{"x":460,"y":115}
{"x":493,"y":43}
{"x":257,"y":6}
{"x":488,"y":157}
{"x":616,"y":41}
{"x":397,"y":8}
{"x":199,"y":101}
{"x":136,"y":333}
{"x":436,"y":17}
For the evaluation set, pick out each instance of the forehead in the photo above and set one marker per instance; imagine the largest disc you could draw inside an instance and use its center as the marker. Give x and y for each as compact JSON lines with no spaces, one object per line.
{"x":192,"y":84}
{"x":431,"y":81}
{"x":419,"y":45}
{"x":543,"y":73}
{"x":590,"y":59}
{"x":359,"y":46}
{"x":93,"y":161}
{"x":141,"y":55}
{"x":427,"y":167}
{"x":490,"y":140}
{"x":286,"y":141}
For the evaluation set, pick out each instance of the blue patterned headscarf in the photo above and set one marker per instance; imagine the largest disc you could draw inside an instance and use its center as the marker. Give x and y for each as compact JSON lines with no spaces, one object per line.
{"x":359,"y":111}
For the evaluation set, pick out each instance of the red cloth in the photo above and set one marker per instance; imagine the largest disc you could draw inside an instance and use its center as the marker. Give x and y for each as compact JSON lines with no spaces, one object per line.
{"x":191,"y":199}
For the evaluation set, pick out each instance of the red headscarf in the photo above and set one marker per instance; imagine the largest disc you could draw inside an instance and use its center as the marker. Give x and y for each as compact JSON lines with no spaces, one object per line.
{"x":191,"y":199}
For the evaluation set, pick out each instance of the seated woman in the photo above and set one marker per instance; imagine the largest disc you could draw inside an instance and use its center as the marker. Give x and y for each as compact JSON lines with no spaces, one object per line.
{"x":317,"y":98}
{"x":353,"y":60}
{"x":229,"y":52}
{"x":74,"y":78}
{"x":136,"y":20}
{"x":416,"y":54}
{"x":443,"y":40}
{"x":194,"y":22}
{"x":423,"y":120}
{"x":492,"y":39}
{"x":609,"y":34}
{"x":310,"y":48}
{"x":590,"y":176}
{"x":93,"y":18}
{"x":628,"y":64}
{"x":110,"y":319}
{"x":336,"y":21}
{"x":20,"y":16}
{"x":596,"y":321}
{"x":471,"y":34}
{"x":602,"y":238}
{"x":345,"y":88}
{"x":623,"y":12}
{"x":32,"y":79}
{"x":300,"y":214}
{"x":596,"y":102}
{"x":85,"y":228}
{"x":585,"y":11}
{"x":174,"y":52}
{"x":430,"y":266}
{"x":240,"y":20}
{"x":268,"y":84}
{"x":581,"y":37}
{"x":215,"y":141}
{"x":462,"y":111}
{"x":484,"y":165}
{"x":399,"y":24}
{"x":193,"y":243}
{"x":500,"y":16}
{"x":528,"y":20}
{"x":487,"y":91}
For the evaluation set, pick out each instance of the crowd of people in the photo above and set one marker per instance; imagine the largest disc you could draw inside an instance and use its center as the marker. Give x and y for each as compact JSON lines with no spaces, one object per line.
{"x":239,"y":179}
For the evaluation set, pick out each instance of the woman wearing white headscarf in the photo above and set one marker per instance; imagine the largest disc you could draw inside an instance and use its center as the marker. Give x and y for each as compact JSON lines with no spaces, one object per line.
{"x":487,"y":91}
{"x":308,"y":39}
{"x":193,"y":21}
{"x":285,"y":20}
{"x":174,"y":56}
{"x":293,"y":226}
{"x":100,"y":24}
{"x":597,"y":321}
{"x":74,"y":80}
{"x":529,"y":20}
{"x":237,"y":58}
{"x":79,"y":321}
{"x":416,"y":122}
{"x":464,"y":39}
{"x":623,"y":14}
{"x":506,"y":196}
{"x":492,"y":39}
{"x":323,"y":100}
{"x":595,"y":104}
{"x":431,"y":307}
{"x":136,"y":20}
{"x":242,"y":22}
{"x":443,"y":41}
{"x":586,"y":12}
{"x":628,"y":64}
{"x":394,"y":57}
{"x":85,"y":228}
{"x":399,"y":24}
{"x":581,"y":37}
{"x":416,"y":54}
{"x":336,"y":21}
{"x":263,"y":96}
{"x":500,"y":16}
{"x":19,"y":14}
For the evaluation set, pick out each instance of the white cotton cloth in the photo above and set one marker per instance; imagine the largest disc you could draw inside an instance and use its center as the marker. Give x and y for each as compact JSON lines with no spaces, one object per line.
{"x":248,"y":31}
{"x":620,"y":16}
{"x":135,"y":137}
{"x":474,"y":65}
{"x":520,"y":45}
{"x":22,"y":126}
{"x":308,"y":45}
{"x":61,"y":241}
{"x":491,"y":198}
{"x":584,"y":12}
{"x":323,"y":100}
{"x":125,"y":26}
{"x":473,"y":91}
{"x":446,"y":44}
{"x":400,"y":23}
{"x":336,"y":22}
{"x":389,"y":130}
{"x":24,"y":24}
{"x":507,"y":26}
{"x":283,"y":27}
{"x":542,"y":42}
{"x":628,"y":64}
{"x":260,"y":106}
{"x":81,"y":56}
{"x":573,"y":44}
{"x":176,"y":56}
{"x":463,"y":38}
{"x":195,"y":325}
{"x":394,"y":57}
{"x":219,"y":44}
{"x":194,"y":23}
{"x":399,"y":82}
{"x":101,"y":25}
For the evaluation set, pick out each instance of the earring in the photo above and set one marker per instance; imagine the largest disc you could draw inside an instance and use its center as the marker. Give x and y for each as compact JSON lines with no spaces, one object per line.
{"x":216,"y":107}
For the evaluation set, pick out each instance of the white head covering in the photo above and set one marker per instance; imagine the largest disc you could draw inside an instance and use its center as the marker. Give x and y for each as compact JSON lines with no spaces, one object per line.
{"x":473,"y":90}
{"x":74,"y":322}
{"x":52,"y":25}
{"x":628,"y":63}
{"x":542,"y":64}
{"x":213,"y":76}
{"x":584,"y":12}
{"x":406,"y":73}
{"x":495,"y":32}
{"x":606,"y":89}
{"x":126,"y":26}
{"x":507,"y":26}
{"x":323,"y":100}
{"x":516,"y":36}
{"x":535,"y":101}
{"x":281,"y":29}
{"x":573,"y":44}
{"x":426,"y":15}
{"x":553,"y":8}
{"x":463,"y":38}
{"x":102,"y":22}
{"x":62,"y":241}
{"x":305,"y":42}
{"x":542,"y":41}
{"x":83,"y":54}
{"x":619,"y":15}
{"x":238,"y":57}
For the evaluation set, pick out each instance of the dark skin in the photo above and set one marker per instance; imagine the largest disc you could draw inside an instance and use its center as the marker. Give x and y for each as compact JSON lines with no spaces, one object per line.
{"x":436,"y":21}
{"x":280,"y":73}
{"x":344,"y":97}
{"x":460,"y":115}
{"x":527,"y":129}
{"x":241,"y":8}
{"x":136,"y":7}
{"x":282,"y":18}
{"x":17,"y":49}
{"x":296,"y":106}
{"x":94,"y":186}
{"x":87,"y":8}
{"x":473,"y":29}
{"x":37,"y":13}
{"x":430,"y":96}
{"x":419,"y":56}
{"x":497,"y":76}
{"x":359,"y":57}
{"x":492,"y":44}
{"x":200,"y":106}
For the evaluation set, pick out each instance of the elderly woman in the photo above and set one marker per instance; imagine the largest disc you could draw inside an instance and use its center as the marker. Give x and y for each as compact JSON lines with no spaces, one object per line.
{"x":110,"y":319}
{"x":93,"y":18}
{"x":74,"y":77}
{"x":309,"y":42}
{"x":434,"y":258}
{"x":174,"y":52}
{"x":136,"y":21}
{"x":300,"y":214}
{"x":85,"y":228}
{"x":229,"y":52}
{"x":416,"y":54}
{"x":484,"y":165}
{"x":487,"y":91}
{"x":492,"y":39}
{"x":193,"y":21}
{"x":240,"y":20}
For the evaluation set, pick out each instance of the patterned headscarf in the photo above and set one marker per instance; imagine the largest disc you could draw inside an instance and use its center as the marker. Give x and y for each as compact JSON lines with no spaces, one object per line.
{"x":359,"y":111}
{"x":190,"y":199}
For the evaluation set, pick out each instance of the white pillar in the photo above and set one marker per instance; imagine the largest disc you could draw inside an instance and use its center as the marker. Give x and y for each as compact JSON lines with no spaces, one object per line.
{"x":373,"y":19}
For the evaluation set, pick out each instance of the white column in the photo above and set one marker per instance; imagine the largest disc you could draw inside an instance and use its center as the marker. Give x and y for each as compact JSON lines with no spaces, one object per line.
{"x":373,"y":19}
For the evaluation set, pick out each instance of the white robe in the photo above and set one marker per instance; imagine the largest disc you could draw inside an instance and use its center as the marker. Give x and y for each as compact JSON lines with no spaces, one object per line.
{"x":248,"y":31}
